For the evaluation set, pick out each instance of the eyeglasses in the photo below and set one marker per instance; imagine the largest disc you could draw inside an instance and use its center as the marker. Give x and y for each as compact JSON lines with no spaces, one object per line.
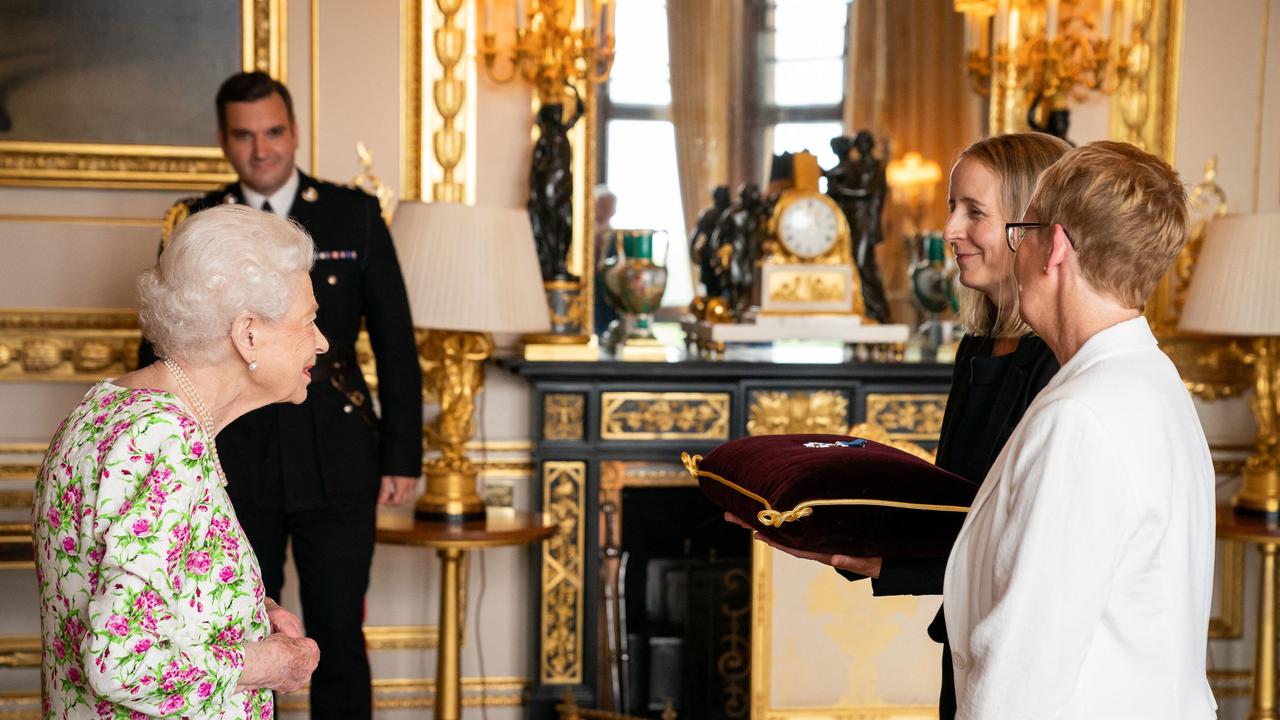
{"x":1016,"y":232}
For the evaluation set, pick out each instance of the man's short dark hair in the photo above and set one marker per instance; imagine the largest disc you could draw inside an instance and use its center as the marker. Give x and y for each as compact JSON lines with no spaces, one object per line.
{"x":250,"y":87}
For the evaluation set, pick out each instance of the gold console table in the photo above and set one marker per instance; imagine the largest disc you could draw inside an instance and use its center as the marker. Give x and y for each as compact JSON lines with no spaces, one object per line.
{"x":1257,"y":530}
{"x":450,"y":541}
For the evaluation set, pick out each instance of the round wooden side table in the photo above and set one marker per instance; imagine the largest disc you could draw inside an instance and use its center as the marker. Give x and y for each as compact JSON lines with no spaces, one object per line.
{"x":1257,"y":530}
{"x":451,"y":541}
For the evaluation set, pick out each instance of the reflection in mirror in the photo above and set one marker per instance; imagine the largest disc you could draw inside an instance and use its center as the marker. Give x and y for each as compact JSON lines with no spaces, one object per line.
{"x":704,"y":92}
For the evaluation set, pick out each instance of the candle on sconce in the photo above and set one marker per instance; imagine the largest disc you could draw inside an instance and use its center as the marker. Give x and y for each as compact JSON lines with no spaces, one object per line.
{"x":970,"y":37}
{"x":519,"y":14}
{"x":1126,"y":23}
{"x":1013,"y":30}
{"x":608,"y":14}
{"x":1108,"y":14}
{"x":1051,"y":20}
{"x":1002,"y":20}
{"x":488,"y":17}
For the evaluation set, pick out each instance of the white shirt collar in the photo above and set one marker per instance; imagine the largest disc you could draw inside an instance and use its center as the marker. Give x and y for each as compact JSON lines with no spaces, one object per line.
{"x":281,"y":200}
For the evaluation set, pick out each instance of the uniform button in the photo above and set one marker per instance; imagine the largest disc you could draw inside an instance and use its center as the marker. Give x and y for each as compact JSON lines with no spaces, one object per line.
{"x":333,"y":279}
{"x":347,"y":408}
{"x":959,"y":660}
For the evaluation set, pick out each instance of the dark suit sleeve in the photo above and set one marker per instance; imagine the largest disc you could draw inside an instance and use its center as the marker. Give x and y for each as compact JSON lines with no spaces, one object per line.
{"x":386,"y":306}
{"x":910,"y":576}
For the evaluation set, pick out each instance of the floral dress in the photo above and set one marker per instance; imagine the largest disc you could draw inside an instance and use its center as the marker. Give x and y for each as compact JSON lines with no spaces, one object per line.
{"x":148,"y":586}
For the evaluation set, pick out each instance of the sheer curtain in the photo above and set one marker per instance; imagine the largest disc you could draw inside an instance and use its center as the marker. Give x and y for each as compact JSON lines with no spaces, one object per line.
{"x":907,"y":86}
{"x":702,"y":36}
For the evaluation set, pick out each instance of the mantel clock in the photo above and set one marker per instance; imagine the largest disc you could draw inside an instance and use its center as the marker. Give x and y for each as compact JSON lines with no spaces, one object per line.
{"x":807,"y":266}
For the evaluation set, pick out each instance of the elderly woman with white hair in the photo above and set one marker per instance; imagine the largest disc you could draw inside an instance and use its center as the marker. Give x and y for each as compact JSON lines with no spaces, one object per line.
{"x":152,"y":602}
{"x":1080,"y":584}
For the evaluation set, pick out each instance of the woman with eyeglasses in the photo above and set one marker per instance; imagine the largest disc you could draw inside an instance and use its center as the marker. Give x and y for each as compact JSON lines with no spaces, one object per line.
{"x":1079,"y":586}
{"x":1000,"y":365}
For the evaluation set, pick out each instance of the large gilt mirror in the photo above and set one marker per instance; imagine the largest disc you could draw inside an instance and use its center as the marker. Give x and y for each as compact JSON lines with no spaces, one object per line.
{"x":704,"y":93}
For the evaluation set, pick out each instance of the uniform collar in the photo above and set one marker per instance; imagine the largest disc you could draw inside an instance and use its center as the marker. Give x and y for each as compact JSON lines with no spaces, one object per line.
{"x":281,"y":200}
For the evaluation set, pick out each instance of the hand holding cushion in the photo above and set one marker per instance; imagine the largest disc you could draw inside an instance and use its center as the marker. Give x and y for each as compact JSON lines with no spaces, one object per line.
{"x":836,"y":495}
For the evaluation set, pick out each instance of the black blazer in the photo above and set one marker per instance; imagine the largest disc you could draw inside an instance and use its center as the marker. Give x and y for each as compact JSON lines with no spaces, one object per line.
{"x":325,"y":448}
{"x":1030,"y":369}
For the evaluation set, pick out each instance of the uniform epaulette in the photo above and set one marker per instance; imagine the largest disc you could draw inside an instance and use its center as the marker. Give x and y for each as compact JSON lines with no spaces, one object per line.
{"x":176,"y":213}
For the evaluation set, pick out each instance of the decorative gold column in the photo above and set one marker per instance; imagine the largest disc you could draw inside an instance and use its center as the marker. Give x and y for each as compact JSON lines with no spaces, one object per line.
{"x":448,"y":661}
{"x":449,"y":93}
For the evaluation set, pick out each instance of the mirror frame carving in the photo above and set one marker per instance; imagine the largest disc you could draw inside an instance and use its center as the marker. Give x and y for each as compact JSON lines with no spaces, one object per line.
{"x":103,"y":165}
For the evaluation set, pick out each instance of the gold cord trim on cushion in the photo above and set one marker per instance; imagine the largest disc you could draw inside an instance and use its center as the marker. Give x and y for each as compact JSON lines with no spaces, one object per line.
{"x":775,"y":518}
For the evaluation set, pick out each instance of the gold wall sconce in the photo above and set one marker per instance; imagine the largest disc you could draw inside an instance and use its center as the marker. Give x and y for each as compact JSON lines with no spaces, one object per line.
{"x":548,"y":52}
{"x":1054,"y":50}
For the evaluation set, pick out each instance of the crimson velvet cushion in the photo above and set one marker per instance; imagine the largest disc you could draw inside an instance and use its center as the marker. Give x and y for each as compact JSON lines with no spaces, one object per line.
{"x":836,"y":494}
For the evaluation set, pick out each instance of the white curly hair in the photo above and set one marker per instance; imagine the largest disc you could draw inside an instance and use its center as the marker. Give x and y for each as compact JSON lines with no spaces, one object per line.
{"x":219,"y":263}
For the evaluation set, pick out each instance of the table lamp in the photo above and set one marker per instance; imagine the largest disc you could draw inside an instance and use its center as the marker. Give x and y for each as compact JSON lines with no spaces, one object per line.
{"x":470,"y":271}
{"x":1235,"y":291}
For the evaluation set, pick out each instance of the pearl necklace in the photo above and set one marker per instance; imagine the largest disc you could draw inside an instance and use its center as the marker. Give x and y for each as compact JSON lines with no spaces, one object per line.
{"x":203,"y":416}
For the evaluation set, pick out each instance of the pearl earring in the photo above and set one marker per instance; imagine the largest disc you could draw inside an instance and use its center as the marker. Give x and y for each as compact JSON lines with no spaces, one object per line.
{"x":253,"y":365}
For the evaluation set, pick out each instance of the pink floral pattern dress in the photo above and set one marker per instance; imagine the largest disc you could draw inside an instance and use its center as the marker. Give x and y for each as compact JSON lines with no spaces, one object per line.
{"x":148,"y":586}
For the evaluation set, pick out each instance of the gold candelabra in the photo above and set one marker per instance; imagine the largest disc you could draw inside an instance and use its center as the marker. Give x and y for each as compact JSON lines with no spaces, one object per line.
{"x":1058,"y":49}
{"x":549,"y":51}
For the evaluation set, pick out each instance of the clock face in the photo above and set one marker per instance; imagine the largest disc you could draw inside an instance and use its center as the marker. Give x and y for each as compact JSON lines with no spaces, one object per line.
{"x":809,"y":227}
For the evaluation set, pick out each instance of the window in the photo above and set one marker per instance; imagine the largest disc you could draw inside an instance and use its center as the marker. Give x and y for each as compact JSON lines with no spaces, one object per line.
{"x":794,"y":71}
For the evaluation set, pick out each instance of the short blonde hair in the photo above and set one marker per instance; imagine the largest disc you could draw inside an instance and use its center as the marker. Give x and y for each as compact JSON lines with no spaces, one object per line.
{"x":1017,"y":159}
{"x":220,"y":263}
{"x":1125,"y":211}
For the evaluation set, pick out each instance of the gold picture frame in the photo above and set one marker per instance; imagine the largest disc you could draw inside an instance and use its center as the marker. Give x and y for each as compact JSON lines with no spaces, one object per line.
{"x":102,"y":165}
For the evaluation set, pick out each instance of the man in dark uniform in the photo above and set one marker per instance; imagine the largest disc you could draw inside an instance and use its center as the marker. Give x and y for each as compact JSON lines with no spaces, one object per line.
{"x":314,"y":472}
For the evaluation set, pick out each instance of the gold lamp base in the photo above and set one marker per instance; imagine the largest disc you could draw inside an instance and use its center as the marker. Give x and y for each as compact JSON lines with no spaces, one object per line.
{"x":1260,"y":492}
{"x":450,"y":496}
{"x":455,"y":375}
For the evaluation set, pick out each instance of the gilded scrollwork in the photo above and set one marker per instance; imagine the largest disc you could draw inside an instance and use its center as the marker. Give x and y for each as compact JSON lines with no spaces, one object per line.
{"x":907,"y":416}
{"x":774,"y":412}
{"x":563,"y":416}
{"x":564,"y":493}
{"x":734,"y":662}
{"x":664,"y":416}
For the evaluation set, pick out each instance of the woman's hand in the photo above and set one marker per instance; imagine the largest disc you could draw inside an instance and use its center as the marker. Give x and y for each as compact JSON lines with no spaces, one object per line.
{"x":279,"y":663}
{"x":283,"y":621}
{"x":869,"y":566}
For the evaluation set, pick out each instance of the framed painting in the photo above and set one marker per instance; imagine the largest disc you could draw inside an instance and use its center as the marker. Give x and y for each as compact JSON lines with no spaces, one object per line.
{"x":120,"y":94}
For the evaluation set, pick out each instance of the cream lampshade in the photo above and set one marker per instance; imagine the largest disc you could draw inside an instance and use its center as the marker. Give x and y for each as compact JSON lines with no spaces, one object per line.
{"x":470,"y":271}
{"x":1235,"y":291}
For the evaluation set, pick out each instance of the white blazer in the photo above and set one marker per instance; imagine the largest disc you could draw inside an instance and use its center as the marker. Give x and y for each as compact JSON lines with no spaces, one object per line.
{"x":1080,"y":584}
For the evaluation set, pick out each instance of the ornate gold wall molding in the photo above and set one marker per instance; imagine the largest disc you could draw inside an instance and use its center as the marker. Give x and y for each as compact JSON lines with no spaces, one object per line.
{"x":411,"y":24}
{"x":773,"y":412}
{"x":388,"y":694}
{"x":564,"y":492}
{"x":67,"y":345}
{"x":101,"y":165}
{"x":1144,"y":110}
{"x":563,"y":416}
{"x":664,"y":416}
{"x":1229,"y":625}
{"x":907,"y":416}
